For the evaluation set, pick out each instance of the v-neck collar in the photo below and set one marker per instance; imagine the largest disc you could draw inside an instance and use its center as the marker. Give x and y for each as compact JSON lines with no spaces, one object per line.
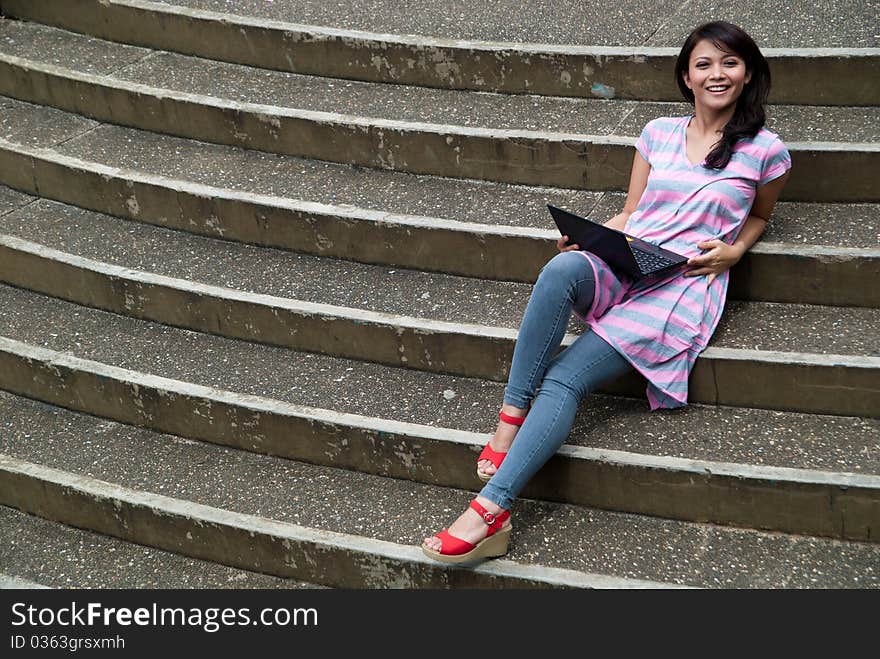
{"x":684,"y":146}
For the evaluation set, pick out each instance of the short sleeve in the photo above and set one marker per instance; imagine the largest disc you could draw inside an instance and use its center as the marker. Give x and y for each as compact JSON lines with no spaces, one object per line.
{"x":643,"y":144}
{"x":776,"y":163}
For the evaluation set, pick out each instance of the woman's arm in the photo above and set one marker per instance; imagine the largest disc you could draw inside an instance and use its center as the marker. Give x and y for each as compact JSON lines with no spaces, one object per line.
{"x":721,"y":256}
{"x":638,"y":181}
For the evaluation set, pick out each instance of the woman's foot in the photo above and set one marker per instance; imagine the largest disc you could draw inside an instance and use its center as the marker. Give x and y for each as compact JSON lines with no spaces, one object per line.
{"x":472,"y":526}
{"x":502,"y":440}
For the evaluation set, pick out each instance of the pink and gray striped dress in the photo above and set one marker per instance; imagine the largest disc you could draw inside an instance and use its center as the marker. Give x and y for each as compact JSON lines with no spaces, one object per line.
{"x":661,"y":327}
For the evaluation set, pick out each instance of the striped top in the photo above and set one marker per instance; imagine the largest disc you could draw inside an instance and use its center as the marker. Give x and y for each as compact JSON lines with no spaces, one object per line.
{"x":661,"y":327}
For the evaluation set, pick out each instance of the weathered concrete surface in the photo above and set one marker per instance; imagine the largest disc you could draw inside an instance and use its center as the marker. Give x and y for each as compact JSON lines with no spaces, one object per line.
{"x":90,"y":55}
{"x":770,"y":272}
{"x":61,"y":556}
{"x":778,"y":23}
{"x":790,"y":500}
{"x":570,"y":160}
{"x":783,"y":23}
{"x":799,"y":328}
{"x":38,"y":125}
{"x":192,"y":482}
{"x":11,"y":200}
{"x":7,"y":582}
{"x":281,"y":274}
{"x":836,"y":384}
{"x":259,"y":544}
{"x":477,"y":351}
{"x":781,"y":272}
{"x":136,"y":246}
{"x":431,"y":244}
{"x":728,"y":371}
{"x":821,"y":166}
{"x":292,"y":178}
{"x":163,"y":70}
{"x":807,"y":75}
{"x":705,"y":433}
{"x":514,"y":156}
{"x":797,"y":381}
{"x":794,"y":381}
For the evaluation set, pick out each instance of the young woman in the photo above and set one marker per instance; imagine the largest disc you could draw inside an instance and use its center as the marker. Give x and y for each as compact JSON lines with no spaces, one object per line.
{"x":702,"y":185}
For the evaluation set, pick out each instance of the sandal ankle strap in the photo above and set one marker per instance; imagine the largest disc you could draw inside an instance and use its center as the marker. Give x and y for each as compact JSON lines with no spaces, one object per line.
{"x":493,"y":520}
{"x":512,"y":420}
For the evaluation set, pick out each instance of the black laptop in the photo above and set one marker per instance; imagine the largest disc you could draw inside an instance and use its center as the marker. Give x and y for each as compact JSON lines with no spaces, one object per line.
{"x":627,"y":255}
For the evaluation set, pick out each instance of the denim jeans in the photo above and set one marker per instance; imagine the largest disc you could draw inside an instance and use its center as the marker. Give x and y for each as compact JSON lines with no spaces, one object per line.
{"x":561,"y":380}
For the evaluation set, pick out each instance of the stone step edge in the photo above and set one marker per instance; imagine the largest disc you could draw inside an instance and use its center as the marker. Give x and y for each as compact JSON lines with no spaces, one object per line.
{"x":773,"y":272}
{"x":568,"y":160}
{"x":260,"y":544}
{"x":832,"y":384}
{"x":10,"y":582}
{"x":818,"y":76}
{"x":802,"y":501}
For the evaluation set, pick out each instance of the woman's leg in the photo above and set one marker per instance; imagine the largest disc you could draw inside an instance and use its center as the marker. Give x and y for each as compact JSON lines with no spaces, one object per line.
{"x":566,"y":282}
{"x":579,"y":369}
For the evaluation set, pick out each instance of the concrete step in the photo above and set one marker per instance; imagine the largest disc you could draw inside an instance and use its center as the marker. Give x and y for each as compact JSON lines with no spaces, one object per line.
{"x":39,"y":125}
{"x":812,"y":253}
{"x":12,"y":200}
{"x":577,"y":143}
{"x":54,"y":555}
{"x":433,"y":322}
{"x":224,"y":169}
{"x":793,"y":472}
{"x":728,"y":465}
{"x":9,"y":582}
{"x":400,"y":292}
{"x":239,"y":509}
{"x":628,"y":52}
{"x":279,"y":528}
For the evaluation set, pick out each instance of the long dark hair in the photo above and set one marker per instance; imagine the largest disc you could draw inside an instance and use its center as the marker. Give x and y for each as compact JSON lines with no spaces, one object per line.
{"x":749,"y":116}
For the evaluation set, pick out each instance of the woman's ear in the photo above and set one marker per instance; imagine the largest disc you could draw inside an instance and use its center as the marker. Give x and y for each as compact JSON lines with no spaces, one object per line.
{"x":748,"y":78}
{"x":687,"y":79}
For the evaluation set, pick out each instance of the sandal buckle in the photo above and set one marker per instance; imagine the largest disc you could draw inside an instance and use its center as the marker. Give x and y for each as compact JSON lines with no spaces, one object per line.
{"x":489,"y":518}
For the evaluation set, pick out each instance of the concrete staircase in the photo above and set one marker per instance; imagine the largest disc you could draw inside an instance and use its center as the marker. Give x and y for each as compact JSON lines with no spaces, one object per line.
{"x":261,"y":283}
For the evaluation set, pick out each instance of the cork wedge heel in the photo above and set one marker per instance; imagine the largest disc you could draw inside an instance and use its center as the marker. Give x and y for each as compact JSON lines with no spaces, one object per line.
{"x":456,"y":550}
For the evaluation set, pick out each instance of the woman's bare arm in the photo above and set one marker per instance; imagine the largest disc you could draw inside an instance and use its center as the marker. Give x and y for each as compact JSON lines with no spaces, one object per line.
{"x":638,"y":181}
{"x":721,"y":256}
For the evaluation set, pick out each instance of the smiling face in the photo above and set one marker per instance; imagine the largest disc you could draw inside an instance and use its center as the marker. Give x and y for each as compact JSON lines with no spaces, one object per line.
{"x":715,"y":76}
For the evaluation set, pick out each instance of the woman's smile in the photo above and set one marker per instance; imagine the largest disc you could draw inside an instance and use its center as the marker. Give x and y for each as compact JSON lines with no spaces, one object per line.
{"x":714,"y":74}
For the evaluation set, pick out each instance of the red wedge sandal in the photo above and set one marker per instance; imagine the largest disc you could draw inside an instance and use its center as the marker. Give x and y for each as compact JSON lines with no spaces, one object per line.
{"x":493,"y":456}
{"x":456,"y":550}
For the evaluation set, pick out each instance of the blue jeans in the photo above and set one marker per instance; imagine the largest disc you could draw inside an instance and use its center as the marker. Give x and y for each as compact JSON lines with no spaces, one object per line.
{"x":566,"y":282}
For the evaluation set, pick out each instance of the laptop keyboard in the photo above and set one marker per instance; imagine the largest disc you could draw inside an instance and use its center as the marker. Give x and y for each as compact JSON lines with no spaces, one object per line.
{"x":649,"y":262}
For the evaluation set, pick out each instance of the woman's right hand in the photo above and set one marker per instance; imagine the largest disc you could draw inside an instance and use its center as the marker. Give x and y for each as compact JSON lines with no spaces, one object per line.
{"x":563,"y":246}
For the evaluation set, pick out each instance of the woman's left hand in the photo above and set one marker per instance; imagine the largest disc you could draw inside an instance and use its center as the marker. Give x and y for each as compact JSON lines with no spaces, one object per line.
{"x":719,"y":257}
